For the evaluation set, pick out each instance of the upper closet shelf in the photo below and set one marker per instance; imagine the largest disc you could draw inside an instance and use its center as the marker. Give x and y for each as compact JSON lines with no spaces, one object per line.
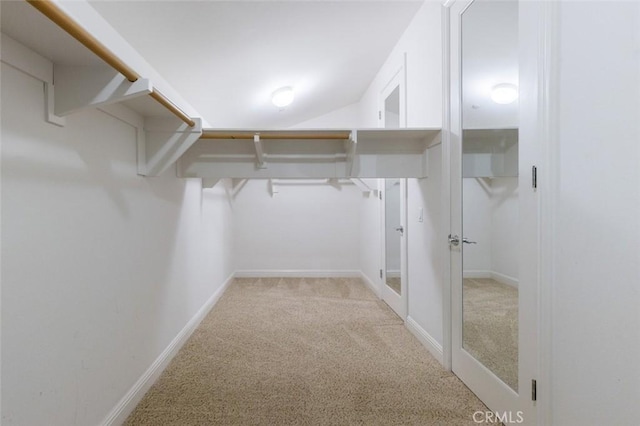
{"x":339,"y":153}
{"x":123,"y":77}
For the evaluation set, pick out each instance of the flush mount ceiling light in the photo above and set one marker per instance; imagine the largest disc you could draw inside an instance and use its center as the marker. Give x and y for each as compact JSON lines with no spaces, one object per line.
{"x":282,"y":97}
{"x":504,"y":93}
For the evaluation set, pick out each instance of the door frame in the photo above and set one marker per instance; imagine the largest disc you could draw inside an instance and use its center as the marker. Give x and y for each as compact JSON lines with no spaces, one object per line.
{"x":398,"y":78}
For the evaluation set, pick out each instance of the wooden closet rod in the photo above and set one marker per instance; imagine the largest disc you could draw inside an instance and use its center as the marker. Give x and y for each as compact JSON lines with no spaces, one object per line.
{"x":265,"y":135}
{"x":165,"y":102}
{"x":49,"y":9}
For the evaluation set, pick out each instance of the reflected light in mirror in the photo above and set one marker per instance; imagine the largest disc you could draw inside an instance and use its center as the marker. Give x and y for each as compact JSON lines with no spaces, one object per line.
{"x":504,"y":93}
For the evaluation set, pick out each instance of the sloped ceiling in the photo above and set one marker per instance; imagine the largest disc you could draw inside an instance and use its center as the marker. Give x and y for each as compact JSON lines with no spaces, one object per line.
{"x":226,"y":58}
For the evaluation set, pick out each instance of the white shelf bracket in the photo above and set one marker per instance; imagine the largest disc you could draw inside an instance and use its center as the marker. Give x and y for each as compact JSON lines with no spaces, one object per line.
{"x":335,"y":182}
{"x":361,"y":185}
{"x":234,"y":189}
{"x":259,"y":151}
{"x":50,"y":101}
{"x":209,"y":182}
{"x":237,"y":185}
{"x":273,"y":188}
{"x":166,"y":139}
{"x":78,"y":88}
{"x":350,"y":149}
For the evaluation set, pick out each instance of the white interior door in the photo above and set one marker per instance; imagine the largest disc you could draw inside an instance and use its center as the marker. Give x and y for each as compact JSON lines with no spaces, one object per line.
{"x":394,"y":256}
{"x":393,"y":206}
{"x":493,"y":260}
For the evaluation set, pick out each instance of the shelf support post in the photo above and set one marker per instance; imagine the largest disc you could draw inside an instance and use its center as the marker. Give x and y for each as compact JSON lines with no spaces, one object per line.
{"x":166,"y":139}
{"x":209,"y":182}
{"x":352,"y":144}
{"x":259,"y":151}
{"x":78,"y":88}
{"x":361,"y":185}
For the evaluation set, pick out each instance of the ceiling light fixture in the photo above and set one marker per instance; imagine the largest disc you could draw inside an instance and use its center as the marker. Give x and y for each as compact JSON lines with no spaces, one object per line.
{"x":504,"y":93}
{"x":282,"y":97}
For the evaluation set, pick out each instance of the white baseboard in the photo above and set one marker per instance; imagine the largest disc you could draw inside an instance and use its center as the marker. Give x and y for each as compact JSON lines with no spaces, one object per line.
{"x":305,"y":273}
{"x":476,"y":274}
{"x":504,"y":279}
{"x":370,"y":284}
{"x":425,"y":338}
{"x":497,"y":276}
{"x":393,"y":273}
{"x":126,"y":405}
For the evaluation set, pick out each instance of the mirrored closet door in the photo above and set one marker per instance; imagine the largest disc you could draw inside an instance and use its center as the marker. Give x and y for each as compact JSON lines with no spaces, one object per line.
{"x":489,"y":312}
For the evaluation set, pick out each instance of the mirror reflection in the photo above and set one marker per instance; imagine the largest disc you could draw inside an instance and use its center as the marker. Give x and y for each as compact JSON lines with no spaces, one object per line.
{"x":393,"y":234}
{"x":490,"y":185}
{"x":393,"y":231}
{"x":392,"y":109}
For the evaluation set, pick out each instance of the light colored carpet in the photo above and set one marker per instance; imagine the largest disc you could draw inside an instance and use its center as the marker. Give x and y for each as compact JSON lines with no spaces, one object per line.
{"x":300,"y":351}
{"x":490,"y":331}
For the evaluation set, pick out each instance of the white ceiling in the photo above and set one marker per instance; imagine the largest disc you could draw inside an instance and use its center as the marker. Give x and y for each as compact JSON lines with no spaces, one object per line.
{"x":227,"y":57}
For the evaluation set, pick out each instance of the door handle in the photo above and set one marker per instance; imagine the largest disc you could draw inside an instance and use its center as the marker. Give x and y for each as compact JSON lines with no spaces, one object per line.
{"x":454,"y":241}
{"x":400,"y":229}
{"x":466,"y":241}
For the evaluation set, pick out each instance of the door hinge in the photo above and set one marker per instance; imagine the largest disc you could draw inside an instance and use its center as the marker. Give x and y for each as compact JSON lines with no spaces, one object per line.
{"x":379,"y":115}
{"x":534,"y":177}
{"x":380,"y":194}
{"x":534,"y":390}
{"x":380,"y":273}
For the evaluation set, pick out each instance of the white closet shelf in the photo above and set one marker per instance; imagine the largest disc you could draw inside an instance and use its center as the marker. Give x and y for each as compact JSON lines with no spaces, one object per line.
{"x":309,"y":153}
{"x":123,"y":78}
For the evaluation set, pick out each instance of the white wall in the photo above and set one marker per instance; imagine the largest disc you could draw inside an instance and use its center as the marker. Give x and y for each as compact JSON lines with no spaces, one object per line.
{"x":422,"y":42}
{"x":343,"y":118}
{"x":595,"y":296}
{"x":101,"y":268}
{"x":303,"y":228}
{"x":370,"y":237}
{"x":425,"y":266}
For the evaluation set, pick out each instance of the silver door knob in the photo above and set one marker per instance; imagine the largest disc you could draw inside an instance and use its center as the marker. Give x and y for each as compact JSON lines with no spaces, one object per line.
{"x":466,"y":241}
{"x":454,"y":241}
